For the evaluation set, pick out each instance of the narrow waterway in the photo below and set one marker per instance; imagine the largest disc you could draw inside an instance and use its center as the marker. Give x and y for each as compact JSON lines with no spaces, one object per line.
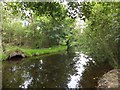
{"x":52,"y":71}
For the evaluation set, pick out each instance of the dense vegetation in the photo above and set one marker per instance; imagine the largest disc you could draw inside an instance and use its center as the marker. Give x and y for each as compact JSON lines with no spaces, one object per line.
{"x":43,"y":29}
{"x":37,"y":25}
{"x":101,"y":37}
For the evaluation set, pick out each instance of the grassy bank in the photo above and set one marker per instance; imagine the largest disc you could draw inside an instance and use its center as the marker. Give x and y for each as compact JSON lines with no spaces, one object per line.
{"x":31,"y":52}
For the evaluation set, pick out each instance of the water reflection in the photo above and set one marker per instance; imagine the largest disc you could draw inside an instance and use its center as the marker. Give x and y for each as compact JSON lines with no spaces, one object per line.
{"x":26,"y":83}
{"x":80,"y":60}
{"x":92,"y":74}
{"x":52,"y":71}
{"x":43,"y":72}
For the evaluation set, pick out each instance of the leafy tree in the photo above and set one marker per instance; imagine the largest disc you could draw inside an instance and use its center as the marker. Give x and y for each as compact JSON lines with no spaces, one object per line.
{"x":48,"y":25}
{"x":100,"y":38}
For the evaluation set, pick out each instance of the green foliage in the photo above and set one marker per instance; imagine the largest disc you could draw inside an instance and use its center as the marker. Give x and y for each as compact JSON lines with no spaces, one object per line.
{"x":80,"y":9}
{"x":50,"y":9}
{"x":44,"y":29}
{"x":100,"y":38}
{"x":31,"y":52}
{"x":50,"y":24}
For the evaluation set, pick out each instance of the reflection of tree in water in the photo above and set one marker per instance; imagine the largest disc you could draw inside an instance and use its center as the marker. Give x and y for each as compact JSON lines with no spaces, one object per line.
{"x":50,"y":71}
{"x":92,"y":74}
{"x":55,"y":72}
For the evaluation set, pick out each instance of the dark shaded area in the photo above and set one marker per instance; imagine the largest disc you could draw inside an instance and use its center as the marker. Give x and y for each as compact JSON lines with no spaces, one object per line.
{"x":50,"y":71}
{"x":93,"y":73}
{"x":39,"y":72}
{"x":15,"y":58}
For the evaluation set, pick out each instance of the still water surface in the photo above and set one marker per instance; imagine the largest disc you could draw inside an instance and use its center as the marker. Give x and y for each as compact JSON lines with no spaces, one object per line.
{"x":52,"y":71}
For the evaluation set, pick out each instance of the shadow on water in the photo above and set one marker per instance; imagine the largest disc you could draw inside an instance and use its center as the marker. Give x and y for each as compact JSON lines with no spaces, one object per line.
{"x":92,"y":73}
{"x":51,"y":71}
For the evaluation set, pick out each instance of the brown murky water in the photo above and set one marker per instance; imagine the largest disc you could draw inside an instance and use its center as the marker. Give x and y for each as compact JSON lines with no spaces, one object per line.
{"x":52,"y":71}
